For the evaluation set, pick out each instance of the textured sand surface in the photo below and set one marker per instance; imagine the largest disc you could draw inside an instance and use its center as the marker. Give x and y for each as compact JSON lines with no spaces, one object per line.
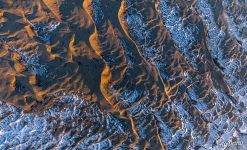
{"x":123,"y":74}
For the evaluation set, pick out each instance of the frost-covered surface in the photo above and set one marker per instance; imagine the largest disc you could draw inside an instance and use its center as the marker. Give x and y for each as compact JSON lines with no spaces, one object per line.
{"x":133,"y":74}
{"x":233,"y":66}
{"x":72,"y":123}
{"x":214,"y":106}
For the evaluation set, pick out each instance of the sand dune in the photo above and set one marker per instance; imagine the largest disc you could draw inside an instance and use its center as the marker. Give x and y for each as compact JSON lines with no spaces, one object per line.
{"x":123,"y":74}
